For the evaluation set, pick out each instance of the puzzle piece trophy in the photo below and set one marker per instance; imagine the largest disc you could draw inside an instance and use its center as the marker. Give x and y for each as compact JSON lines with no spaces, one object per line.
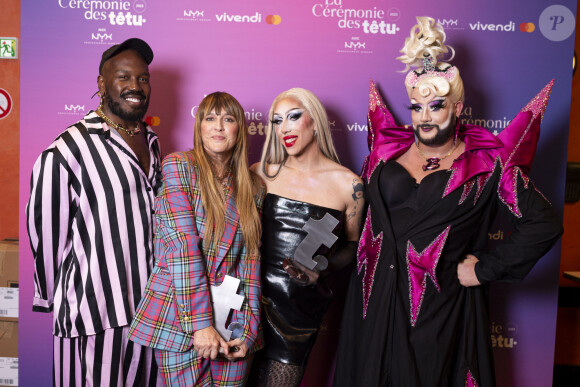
{"x":225,"y":298}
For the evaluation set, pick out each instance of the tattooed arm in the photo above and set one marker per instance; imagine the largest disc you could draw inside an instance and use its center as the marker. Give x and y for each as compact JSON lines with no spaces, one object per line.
{"x":346,"y":250}
{"x":347,"y":245}
{"x":354,"y":208}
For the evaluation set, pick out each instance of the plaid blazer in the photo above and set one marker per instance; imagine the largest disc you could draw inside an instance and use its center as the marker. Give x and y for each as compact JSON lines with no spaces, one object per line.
{"x":177,"y":299}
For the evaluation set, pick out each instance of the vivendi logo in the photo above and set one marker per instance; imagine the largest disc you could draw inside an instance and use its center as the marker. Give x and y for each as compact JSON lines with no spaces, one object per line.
{"x":116,"y":12}
{"x":510,"y":26}
{"x":356,"y":127}
{"x":254,"y":18}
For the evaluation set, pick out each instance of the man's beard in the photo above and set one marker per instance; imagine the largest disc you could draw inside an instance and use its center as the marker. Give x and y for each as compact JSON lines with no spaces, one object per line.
{"x":441,"y":138}
{"x":127,"y":116}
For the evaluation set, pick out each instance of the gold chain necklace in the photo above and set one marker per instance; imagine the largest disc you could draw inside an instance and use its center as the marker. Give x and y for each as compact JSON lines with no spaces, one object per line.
{"x":433,"y":162}
{"x":225,"y":180}
{"x":226,"y":183}
{"x":130,"y":132}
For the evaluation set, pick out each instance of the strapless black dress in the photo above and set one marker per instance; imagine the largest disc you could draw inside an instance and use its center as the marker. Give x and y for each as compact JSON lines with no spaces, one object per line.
{"x":291,"y":312}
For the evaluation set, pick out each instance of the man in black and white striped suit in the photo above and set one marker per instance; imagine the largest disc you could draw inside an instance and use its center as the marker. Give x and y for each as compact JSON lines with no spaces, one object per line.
{"x":90,"y":223}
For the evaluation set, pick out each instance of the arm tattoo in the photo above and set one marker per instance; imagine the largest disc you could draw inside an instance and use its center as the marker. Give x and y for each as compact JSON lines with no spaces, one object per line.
{"x":357,"y":188}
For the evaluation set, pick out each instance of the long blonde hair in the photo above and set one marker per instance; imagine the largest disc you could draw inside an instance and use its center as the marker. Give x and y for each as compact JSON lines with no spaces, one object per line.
{"x":243,"y":182}
{"x":275,"y":153}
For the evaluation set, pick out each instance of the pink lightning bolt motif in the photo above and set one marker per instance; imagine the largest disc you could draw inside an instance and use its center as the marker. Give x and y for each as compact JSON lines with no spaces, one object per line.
{"x":470,"y":380}
{"x":467,"y":187}
{"x":368,"y":253}
{"x":481,"y":182}
{"x":420,"y":266}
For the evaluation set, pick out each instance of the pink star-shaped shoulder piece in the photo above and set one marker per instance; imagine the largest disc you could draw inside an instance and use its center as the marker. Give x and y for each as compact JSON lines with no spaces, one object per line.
{"x":520,"y":140}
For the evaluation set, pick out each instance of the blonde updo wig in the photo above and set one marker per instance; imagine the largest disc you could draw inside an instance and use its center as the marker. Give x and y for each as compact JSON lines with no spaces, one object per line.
{"x":422,"y":50}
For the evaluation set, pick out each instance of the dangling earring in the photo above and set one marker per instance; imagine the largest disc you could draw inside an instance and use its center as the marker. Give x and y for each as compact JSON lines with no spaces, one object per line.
{"x":315,"y":133}
{"x":101,"y":98}
{"x":456,"y":130}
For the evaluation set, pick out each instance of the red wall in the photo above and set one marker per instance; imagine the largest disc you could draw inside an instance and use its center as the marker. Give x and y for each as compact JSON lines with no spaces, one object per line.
{"x":568,"y":324}
{"x":570,"y":241}
{"x":10,"y":125}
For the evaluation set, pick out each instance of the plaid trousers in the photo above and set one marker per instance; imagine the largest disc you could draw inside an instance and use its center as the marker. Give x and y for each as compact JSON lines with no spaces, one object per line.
{"x":188,"y":369}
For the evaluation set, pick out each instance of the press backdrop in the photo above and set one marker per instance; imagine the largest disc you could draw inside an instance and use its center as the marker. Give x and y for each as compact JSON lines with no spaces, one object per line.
{"x":506,"y":52}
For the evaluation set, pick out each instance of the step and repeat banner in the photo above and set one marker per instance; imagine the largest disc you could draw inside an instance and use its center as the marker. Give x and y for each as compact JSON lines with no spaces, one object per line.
{"x":506,"y":52}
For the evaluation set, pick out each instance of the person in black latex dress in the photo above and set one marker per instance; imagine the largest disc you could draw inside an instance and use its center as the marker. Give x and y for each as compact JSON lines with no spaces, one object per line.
{"x":311,"y":223}
{"x":416,"y":312}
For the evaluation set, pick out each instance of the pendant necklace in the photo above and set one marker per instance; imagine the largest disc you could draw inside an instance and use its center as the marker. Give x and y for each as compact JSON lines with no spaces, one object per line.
{"x":433,"y":162}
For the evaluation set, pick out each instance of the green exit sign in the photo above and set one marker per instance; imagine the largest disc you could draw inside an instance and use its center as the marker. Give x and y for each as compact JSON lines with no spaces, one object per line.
{"x":8,"y":48}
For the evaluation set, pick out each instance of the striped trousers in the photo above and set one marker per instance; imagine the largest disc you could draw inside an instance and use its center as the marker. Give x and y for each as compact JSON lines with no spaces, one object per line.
{"x":105,"y":359}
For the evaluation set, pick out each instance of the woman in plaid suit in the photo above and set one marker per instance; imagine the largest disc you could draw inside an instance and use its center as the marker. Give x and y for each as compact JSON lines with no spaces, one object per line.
{"x":207,"y":227}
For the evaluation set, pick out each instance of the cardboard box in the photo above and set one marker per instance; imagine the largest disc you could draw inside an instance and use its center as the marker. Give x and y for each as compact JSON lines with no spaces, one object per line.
{"x":9,"y":280}
{"x":8,"y":339}
{"x":9,"y":263}
{"x":9,"y":313}
{"x":8,"y":353}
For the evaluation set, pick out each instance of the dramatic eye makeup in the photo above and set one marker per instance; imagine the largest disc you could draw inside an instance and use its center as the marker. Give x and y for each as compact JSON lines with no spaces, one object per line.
{"x":433,"y":106}
{"x":415,"y":107}
{"x":277,"y":120}
{"x":292,"y":115}
{"x":437,"y":104}
{"x":295,"y":114}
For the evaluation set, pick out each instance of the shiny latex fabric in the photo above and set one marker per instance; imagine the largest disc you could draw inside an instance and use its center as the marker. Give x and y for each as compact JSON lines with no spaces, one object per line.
{"x":291,"y":313}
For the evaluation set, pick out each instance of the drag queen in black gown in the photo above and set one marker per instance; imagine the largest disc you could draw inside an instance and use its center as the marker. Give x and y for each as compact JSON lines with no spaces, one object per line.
{"x":416,"y":312}
{"x":311,"y":216}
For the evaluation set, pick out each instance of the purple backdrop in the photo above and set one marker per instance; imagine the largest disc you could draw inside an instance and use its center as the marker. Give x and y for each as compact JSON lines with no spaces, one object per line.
{"x":506,"y":51}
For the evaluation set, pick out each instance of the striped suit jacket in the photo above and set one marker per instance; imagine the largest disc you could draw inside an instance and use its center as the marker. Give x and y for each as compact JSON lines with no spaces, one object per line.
{"x":177,"y":299}
{"x":90,"y":224}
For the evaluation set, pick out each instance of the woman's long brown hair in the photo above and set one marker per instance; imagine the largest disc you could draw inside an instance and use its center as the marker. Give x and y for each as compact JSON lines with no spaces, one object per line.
{"x":243,"y":182}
